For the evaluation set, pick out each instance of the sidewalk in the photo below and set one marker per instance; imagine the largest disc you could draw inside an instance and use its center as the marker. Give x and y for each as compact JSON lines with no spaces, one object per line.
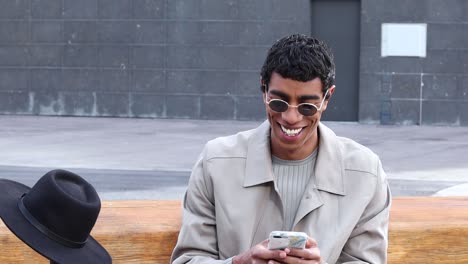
{"x":413,"y":153}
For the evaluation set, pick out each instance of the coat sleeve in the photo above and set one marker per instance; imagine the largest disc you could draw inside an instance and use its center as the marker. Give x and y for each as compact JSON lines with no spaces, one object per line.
{"x":368,"y":242}
{"x":197,"y":241}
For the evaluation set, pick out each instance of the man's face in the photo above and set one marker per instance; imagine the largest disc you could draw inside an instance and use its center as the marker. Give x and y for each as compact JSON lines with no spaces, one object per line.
{"x":293,"y":135}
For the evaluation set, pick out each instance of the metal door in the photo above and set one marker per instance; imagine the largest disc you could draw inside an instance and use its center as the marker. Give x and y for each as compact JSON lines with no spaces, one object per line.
{"x":337,"y":22}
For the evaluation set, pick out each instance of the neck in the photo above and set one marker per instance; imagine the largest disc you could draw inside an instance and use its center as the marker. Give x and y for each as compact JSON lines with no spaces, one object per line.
{"x":297,"y":153}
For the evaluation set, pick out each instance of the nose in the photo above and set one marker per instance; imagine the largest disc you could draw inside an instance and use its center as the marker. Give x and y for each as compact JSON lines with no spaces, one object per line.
{"x":292,"y":116}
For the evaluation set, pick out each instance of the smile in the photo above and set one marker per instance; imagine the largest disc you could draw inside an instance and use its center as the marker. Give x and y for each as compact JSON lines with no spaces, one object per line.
{"x":291,"y":132}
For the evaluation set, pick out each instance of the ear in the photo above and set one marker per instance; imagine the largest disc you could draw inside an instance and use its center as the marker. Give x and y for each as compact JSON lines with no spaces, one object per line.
{"x":331,"y":90}
{"x":263,"y":86}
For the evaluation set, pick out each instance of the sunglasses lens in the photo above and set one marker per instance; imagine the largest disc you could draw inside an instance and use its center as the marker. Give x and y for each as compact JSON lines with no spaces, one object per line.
{"x":307,"y":109}
{"x":278,"y":106}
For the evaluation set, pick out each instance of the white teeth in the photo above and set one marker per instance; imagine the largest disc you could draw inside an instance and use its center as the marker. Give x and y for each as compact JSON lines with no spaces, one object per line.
{"x":291,"y":132}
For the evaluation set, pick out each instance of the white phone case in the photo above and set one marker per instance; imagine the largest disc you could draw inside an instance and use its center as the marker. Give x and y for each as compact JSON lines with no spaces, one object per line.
{"x":286,"y":239}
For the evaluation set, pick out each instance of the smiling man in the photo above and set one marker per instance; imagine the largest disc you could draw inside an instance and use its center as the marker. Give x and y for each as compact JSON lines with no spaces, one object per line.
{"x":292,"y":173}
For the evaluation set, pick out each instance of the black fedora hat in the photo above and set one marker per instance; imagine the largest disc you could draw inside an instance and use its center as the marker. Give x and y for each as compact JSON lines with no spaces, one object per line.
{"x":55,"y":217}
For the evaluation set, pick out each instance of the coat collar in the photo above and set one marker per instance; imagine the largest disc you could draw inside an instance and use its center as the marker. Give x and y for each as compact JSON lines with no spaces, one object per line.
{"x":258,"y":167}
{"x":329,"y":168}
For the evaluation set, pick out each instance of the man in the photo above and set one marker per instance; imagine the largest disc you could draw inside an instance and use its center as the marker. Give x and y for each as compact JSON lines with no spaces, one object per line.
{"x":290,"y":173}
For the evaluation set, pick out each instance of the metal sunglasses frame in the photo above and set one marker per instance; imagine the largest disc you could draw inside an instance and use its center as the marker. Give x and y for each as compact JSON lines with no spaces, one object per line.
{"x":296,"y":106}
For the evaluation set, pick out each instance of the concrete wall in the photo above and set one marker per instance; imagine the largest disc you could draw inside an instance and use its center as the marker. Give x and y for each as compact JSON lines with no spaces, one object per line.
{"x":409,"y":90}
{"x":140,"y":58}
{"x":201,"y":58}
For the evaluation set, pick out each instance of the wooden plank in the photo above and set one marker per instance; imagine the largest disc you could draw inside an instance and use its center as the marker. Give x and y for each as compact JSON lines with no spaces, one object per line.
{"x":146,"y":231}
{"x":422,"y":230}
{"x":429,"y":230}
{"x":141,"y":232}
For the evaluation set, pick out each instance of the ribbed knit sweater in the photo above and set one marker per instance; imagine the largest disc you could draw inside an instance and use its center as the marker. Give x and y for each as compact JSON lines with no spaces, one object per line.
{"x":291,"y":179}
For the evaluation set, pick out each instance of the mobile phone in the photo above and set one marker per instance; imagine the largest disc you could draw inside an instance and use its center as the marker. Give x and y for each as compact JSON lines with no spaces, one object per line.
{"x":287,"y":239}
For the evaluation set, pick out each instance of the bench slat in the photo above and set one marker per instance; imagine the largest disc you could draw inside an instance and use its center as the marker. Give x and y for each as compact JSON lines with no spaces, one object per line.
{"x":422,"y":230}
{"x":429,"y":230}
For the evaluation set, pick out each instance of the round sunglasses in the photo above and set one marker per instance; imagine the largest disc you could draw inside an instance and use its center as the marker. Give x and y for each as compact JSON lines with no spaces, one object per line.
{"x":306,"y":109}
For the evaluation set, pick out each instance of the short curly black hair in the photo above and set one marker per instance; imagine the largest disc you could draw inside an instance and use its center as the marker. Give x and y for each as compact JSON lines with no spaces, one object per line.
{"x":301,"y":58}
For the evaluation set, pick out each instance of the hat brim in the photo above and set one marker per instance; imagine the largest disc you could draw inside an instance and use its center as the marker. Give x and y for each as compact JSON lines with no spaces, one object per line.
{"x":10,"y":193}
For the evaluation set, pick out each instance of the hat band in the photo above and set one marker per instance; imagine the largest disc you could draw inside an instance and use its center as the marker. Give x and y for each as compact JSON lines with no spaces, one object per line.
{"x":44,"y":230}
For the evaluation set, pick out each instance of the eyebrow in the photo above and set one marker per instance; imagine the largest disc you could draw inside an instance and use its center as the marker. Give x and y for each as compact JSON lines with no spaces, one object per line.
{"x":301,"y":98}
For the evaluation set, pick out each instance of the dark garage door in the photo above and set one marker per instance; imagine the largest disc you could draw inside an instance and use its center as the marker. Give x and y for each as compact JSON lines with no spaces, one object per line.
{"x":337,"y":22}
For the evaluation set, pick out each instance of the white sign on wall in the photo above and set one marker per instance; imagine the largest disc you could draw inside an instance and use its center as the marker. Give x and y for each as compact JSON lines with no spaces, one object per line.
{"x":404,"y":39}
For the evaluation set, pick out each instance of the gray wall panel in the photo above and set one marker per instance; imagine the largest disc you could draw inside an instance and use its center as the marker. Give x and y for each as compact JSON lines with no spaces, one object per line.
{"x":440,"y":112}
{"x":117,"y":57}
{"x":112,"y":104}
{"x":405,"y":112}
{"x":445,"y":87}
{"x":183,"y":106}
{"x":149,"y":9}
{"x":83,"y":9}
{"x":217,"y":107}
{"x":115,"y":9}
{"x":80,"y":56}
{"x":80,"y":79}
{"x":249,"y":108}
{"x":116,"y":32}
{"x":81,"y":32}
{"x":14,"y":32}
{"x":112,"y":80}
{"x":147,"y":105}
{"x":248,"y":83}
{"x":406,"y":86}
{"x":48,"y":102}
{"x":14,"y":56}
{"x":150,"y":81}
{"x":47,"y":32}
{"x":148,"y":57}
{"x":114,"y":56}
{"x":13,"y":102}
{"x":45,"y":9}
{"x":78,"y":102}
{"x":463,"y":113}
{"x":46,"y":79}
{"x":150,"y":32}
{"x":14,"y":79}
{"x":441,"y":92}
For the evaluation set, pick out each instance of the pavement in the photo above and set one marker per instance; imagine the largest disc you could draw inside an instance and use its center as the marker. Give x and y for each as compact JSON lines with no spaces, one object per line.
{"x":151,"y":158}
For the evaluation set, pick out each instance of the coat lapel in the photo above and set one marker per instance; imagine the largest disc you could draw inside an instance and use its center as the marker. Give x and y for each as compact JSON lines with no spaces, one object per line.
{"x":258,"y":162}
{"x":310,"y":201}
{"x":259,"y":174}
{"x":329,"y":172}
{"x":329,"y":167}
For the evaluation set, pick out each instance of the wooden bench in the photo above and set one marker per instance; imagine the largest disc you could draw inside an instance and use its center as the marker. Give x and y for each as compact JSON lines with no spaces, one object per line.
{"x":422,"y":230}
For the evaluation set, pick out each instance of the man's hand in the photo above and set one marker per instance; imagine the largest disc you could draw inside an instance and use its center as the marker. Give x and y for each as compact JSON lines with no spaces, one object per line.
{"x":309,"y":255}
{"x":260,"y":254}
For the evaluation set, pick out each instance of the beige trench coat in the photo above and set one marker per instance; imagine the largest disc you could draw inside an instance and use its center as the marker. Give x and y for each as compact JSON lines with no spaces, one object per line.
{"x":231,"y":203}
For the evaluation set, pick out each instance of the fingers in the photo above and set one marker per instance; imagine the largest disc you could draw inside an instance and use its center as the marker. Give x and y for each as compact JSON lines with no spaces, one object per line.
{"x":293,"y":260}
{"x":274,"y":262}
{"x":311,"y":243}
{"x":307,"y":253}
{"x":310,"y":253}
{"x":261,"y":251}
{"x":270,"y":254}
